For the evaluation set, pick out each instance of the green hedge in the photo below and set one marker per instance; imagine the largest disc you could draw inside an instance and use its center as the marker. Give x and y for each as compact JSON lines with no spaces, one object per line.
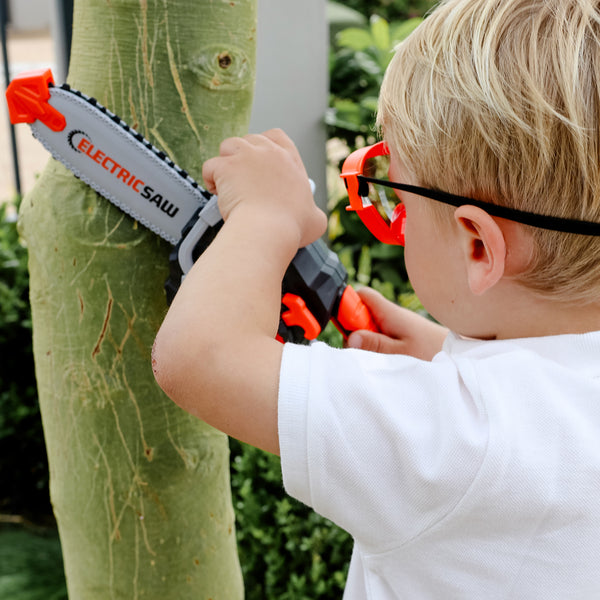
{"x":23,"y":464}
{"x":286,"y":550}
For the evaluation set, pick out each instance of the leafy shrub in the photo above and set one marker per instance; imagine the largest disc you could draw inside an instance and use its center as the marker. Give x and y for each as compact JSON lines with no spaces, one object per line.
{"x":358,"y":60}
{"x":287,"y":551}
{"x":23,"y":465}
{"x":391,"y":9}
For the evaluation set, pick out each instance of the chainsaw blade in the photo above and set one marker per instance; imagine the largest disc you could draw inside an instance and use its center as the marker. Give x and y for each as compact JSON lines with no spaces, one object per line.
{"x":107,"y":154}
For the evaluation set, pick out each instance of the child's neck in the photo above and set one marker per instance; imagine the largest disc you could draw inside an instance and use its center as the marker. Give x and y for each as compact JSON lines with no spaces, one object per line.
{"x":540,"y":317}
{"x":510,"y":311}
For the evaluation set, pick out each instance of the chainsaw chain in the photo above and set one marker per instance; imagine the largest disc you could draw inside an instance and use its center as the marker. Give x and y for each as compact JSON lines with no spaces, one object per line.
{"x":138,"y":136}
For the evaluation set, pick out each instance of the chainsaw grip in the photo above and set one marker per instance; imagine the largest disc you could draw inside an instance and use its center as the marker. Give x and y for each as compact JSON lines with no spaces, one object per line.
{"x":314,"y":292}
{"x":314,"y":289}
{"x":353,"y":314}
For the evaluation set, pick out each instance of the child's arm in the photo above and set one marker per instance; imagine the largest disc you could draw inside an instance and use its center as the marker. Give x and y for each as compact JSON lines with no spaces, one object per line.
{"x":215,"y":354}
{"x":402,"y":331}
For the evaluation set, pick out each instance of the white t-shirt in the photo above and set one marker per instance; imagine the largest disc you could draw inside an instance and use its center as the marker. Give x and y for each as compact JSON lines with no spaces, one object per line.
{"x":476,"y":475}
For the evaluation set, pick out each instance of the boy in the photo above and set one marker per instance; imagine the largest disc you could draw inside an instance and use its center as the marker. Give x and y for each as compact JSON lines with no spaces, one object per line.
{"x":464,"y":464}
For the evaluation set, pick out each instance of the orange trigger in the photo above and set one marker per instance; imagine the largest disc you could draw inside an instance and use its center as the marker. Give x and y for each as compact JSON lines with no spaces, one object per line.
{"x":299,"y":315}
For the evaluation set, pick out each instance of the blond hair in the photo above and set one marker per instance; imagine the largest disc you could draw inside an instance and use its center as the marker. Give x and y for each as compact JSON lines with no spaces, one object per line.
{"x":499,"y":100}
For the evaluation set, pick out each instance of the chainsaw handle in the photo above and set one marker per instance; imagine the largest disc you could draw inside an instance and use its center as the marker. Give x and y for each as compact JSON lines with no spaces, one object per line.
{"x":314,"y":288}
{"x":352,"y":314}
{"x":315,"y":291}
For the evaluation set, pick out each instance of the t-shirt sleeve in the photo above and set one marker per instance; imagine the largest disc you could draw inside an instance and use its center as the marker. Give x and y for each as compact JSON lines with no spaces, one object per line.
{"x":383,"y":445}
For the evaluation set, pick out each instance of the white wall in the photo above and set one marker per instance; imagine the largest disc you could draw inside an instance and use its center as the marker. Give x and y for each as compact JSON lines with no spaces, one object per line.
{"x":292,"y":79}
{"x":29,"y":15}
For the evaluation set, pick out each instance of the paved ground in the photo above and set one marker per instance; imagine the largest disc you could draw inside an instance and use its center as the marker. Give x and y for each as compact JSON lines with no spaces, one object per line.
{"x":25,"y":52}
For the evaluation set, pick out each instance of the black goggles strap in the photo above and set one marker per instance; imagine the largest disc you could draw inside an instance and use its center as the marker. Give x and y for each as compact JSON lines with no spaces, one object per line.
{"x":504,"y":212}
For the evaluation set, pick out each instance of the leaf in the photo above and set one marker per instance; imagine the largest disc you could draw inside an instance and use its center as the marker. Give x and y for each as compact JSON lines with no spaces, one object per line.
{"x":345,"y":256}
{"x":380,"y":33}
{"x":409,"y":300}
{"x":385,"y":288}
{"x":354,"y":38}
{"x":364,"y":266}
{"x":389,"y":273}
{"x":369,"y":103}
{"x":345,"y":116}
{"x":368,"y":64}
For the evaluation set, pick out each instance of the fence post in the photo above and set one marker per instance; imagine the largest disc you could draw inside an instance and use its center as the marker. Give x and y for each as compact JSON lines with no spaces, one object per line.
{"x":13,"y":139}
{"x":62,"y":27}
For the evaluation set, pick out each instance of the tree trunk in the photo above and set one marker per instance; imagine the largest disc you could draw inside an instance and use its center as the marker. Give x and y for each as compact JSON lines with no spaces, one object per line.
{"x":139,"y":488}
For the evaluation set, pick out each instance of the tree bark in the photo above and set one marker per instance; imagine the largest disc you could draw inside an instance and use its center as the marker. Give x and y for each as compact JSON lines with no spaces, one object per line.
{"x":139,"y":488}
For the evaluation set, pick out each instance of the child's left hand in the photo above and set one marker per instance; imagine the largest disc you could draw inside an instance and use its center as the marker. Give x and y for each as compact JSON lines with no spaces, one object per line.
{"x":401,"y":330}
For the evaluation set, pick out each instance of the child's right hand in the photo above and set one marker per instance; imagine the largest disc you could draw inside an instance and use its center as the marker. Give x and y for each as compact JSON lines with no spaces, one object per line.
{"x":263,"y":175}
{"x":402,"y":331}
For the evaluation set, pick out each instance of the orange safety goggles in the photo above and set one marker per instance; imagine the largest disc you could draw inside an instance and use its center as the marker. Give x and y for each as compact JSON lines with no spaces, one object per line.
{"x":375,"y":201}
{"x":370,"y":196}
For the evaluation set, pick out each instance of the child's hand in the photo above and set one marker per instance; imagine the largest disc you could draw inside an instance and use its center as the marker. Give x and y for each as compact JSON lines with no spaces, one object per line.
{"x":265,"y":175}
{"x":402,"y":331}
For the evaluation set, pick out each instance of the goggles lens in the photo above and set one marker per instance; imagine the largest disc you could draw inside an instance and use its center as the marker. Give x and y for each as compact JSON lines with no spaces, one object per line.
{"x":383,"y":198}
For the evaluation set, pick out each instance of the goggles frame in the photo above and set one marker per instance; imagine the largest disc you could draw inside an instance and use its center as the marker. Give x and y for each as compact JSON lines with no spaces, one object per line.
{"x":354,"y":180}
{"x":393,"y":233}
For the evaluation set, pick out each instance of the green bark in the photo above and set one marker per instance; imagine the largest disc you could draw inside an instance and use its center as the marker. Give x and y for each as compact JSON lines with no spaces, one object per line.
{"x":140,"y":489}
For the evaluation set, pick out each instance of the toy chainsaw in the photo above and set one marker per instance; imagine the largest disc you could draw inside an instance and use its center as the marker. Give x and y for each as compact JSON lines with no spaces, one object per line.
{"x":138,"y":178}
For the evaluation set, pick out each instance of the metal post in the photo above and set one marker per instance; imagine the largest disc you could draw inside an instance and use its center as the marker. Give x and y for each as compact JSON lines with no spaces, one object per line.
{"x":13,"y":139}
{"x":62,"y":27}
{"x":292,"y":79}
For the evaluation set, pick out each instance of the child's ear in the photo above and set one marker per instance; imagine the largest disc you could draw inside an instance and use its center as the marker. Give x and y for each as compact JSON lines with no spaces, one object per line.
{"x":484,"y":247}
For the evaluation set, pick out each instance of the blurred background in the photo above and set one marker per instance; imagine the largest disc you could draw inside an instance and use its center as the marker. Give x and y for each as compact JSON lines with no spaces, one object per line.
{"x":36,"y":34}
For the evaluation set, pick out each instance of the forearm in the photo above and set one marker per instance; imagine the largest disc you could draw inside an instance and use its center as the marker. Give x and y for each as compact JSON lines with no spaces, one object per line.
{"x":234,"y":289}
{"x":216,"y":354}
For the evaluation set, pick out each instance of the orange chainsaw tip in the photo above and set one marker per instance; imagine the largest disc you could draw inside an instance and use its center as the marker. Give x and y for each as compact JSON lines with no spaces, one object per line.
{"x":27,"y":97}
